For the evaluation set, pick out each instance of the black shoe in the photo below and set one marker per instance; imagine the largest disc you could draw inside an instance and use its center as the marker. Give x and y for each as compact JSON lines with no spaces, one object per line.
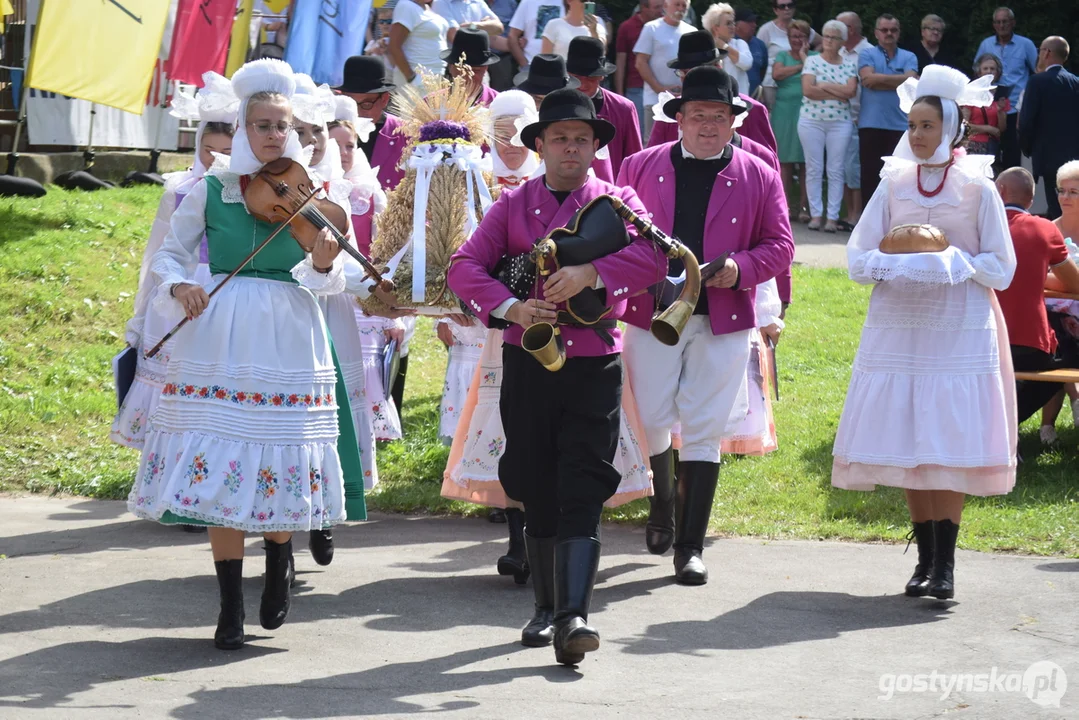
{"x":276,"y":598}
{"x":576,"y":564}
{"x":321,"y":545}
{"x":918,"y":585}
{"x":230,"y":621}
{"x":497,"y":515}
{"x":539,"y":632}
{"x":942,"y":578}
{"x":695,"y":492}
{"x":515,"y":561}
{"x":659,"y":532}
{"x":193,"y":528}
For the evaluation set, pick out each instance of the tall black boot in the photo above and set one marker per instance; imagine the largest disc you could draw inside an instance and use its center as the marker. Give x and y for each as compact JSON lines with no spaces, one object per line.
{"x":659,"y":532}
{"x":576,"y":561}
{"x":515,"y":561}
{"x":398,"y":390}
{"x":696,"y":490}
{"x":276,"y":598}
{"x":942,"y":579}
{"x":918,"y":585}
{"x":321,"y":545}
{"x":230,"y":621}
{"x":539,"y":632}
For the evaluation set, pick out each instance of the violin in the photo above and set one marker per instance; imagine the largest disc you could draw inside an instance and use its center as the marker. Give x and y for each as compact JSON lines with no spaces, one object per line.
{"x":282,"y":192}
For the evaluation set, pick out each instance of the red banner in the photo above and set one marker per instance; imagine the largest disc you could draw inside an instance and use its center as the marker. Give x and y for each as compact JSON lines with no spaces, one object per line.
{"x":200,"y":41}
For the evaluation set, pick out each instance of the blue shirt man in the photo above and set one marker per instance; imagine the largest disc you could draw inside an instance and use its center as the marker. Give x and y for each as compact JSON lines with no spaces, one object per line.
{"x":745,"y":26}
{"x":880,"y":106}
{"x":1017,"y":54}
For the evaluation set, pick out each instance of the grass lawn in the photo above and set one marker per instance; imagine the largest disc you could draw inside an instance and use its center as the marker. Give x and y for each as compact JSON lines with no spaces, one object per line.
{"x":67,"y":281}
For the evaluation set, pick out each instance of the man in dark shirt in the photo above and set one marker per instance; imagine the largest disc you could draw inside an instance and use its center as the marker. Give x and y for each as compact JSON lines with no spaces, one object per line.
{"x":931,"y":50}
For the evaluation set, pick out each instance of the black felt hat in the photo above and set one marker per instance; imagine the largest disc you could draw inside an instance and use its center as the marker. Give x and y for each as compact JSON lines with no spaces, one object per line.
{"x":588,"y":58}
{"x":546,"y":74}
{"x":695,"y":49}
{"x":707,"y":84}
{"x":563,"y":105}
{"x":474,"y":45}
{"x":365,"y":74}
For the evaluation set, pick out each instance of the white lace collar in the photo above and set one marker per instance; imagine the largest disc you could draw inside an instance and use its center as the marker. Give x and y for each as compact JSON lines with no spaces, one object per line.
{"x":901,"y":175}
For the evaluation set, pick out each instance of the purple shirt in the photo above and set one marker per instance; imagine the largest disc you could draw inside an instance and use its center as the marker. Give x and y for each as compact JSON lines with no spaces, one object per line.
{"x":621,"y":113}
{"x":513,"y":225}
{"x":756,"y":127}
{"x":387,"y":153}
{"x":747,"y":215}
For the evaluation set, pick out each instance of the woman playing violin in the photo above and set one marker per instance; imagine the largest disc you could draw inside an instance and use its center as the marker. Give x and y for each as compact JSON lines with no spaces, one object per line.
{"x":245,"y":438}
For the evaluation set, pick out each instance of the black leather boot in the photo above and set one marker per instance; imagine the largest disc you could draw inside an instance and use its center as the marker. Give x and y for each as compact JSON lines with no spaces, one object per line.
{"x":321,"y":545}
{"x":515,"y":561}
{"x":230,"y":621}
{"x":276,"y":598}
{"x":696,"y":489}
{"x":942,"y":578}
{"x":576,"y":561}
{"x":539,"y":632}
{"x":918,"y":585}
{"x":659,"y":532}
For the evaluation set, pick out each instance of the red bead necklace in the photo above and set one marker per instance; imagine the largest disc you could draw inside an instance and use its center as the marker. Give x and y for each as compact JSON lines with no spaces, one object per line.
{"x":933,"y":193}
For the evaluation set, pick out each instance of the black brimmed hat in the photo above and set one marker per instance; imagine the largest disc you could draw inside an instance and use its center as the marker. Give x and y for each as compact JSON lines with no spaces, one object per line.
{"x":706,"y":84}
{"x":695,"y":49}
{"x":474,"y":45}
{"x":563,"y":105}
{"x":588,"y":58}
{"x":365,"y":74}
{"x":546,"y":74}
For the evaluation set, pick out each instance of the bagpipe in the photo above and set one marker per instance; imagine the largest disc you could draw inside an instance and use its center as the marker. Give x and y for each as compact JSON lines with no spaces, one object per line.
{"x":598,"y":229}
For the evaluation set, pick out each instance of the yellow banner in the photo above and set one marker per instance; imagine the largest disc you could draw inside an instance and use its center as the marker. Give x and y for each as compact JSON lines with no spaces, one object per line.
{"x":102,"y":51}
{"x":6,"y":8}
{"x":241,"y":32}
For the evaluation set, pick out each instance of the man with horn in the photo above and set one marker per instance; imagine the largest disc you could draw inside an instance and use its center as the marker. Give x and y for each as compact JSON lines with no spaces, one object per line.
{"x":561,"y":428}
{"x":728,"y":207}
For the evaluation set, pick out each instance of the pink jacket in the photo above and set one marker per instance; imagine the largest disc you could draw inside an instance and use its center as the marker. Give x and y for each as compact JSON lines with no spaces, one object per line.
{"x":387,"y":154}
{"x":747,"y":214}
{"x":757,"y":126}
{"x":513,"y":225}
{"x":621,"y":113}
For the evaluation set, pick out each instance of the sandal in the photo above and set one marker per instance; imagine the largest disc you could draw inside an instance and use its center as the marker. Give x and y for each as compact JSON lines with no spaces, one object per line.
{"x":814,"y":224}
{"x":829,"y":227}
{"x":844,"y":226}
{"x":803,"y":217}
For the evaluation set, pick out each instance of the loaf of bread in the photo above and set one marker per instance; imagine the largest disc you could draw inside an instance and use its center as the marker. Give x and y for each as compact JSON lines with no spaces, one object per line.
{"x":913,"y":239}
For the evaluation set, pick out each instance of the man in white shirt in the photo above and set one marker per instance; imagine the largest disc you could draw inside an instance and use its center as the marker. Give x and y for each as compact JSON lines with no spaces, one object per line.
{"x":852,"y":193}
{"x":529,"y":22}
{"x":657,"y":45}
{"x":469,"y":13}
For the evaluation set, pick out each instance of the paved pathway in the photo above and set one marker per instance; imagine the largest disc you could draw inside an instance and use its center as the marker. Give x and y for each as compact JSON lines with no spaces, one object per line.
{"x":104,"y":616}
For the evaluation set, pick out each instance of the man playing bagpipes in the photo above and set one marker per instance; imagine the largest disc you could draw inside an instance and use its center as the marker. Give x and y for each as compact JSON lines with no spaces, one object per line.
{"x":728,"y":207}
{"x":560,"y":408}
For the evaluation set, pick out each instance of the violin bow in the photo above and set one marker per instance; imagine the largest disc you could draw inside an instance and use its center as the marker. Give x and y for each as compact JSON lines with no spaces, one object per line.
{"x":157,"y":348}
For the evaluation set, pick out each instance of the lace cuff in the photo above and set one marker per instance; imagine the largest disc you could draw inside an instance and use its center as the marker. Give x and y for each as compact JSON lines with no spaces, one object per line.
{"x":950,"y":267}
{"x":989,"y":272}
{"x":330,"y":283}
{"x":168,"y":307}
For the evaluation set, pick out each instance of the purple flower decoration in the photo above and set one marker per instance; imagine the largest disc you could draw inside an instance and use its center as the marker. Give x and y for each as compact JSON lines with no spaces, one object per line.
{"x":444,"y":130}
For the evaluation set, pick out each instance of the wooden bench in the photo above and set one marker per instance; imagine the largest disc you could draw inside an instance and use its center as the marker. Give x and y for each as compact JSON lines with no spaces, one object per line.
{"x":1060,"y":375}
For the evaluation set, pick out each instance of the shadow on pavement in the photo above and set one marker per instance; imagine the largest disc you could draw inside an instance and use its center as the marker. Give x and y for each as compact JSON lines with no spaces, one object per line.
{"x":53,"y":676}
{"x":783,"y":618}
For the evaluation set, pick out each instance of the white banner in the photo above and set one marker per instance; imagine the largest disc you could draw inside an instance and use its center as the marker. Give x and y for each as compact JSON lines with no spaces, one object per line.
{"x":58,"y":120}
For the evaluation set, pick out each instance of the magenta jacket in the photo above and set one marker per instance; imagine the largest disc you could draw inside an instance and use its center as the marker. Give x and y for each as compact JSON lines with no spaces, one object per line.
{"x":513,"y":225}
{"x":387,"y":154}
{"x":757,"y":126}
{"x":486,"y":96}
{"x":747,"y":214}
{"x":621,"y":113}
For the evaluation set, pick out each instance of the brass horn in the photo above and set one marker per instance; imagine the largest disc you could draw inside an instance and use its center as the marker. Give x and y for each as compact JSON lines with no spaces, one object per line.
{"x":667,"y":327}
{"x":544,"y":340}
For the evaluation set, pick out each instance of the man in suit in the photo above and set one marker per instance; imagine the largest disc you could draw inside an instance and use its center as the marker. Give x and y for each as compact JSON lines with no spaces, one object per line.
{"x":1048,"y":117}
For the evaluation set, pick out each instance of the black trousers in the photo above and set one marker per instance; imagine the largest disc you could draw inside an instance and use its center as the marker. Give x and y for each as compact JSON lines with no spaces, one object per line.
{"x":1031,"y":396}
{"x":1052,"y":200}
{"x":873,"y":146}
{"x":561,"y":438}
{"x":1010,"y":156}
